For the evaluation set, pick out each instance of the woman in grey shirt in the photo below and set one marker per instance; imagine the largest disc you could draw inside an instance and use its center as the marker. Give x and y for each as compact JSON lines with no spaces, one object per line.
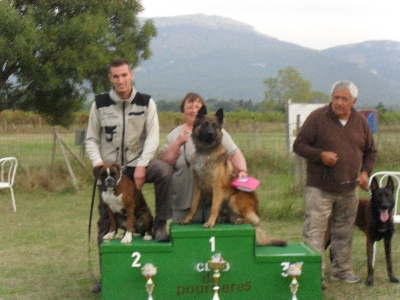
{"x":177,"y":151}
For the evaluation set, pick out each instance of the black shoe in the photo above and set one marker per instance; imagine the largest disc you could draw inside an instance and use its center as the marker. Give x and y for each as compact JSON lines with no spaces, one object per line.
{"x":160,"y":232}
{"x":96,"y":287}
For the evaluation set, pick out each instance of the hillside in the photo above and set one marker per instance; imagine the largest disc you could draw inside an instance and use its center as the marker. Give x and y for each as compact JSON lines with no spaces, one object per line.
{"x":224,"y":59}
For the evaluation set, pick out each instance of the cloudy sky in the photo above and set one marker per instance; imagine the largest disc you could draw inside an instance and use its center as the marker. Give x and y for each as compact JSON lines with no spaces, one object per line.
{"x":316,"y":24}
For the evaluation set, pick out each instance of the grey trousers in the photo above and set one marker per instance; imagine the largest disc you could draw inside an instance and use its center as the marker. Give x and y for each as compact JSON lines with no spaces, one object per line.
{"x":319,"y":205}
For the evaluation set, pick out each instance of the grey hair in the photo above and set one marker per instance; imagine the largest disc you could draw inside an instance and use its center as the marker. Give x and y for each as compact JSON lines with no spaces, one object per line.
{"x":346,"y":85}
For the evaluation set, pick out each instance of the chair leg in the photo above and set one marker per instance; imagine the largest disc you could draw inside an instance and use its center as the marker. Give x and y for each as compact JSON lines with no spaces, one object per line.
{"x":13,"y":199}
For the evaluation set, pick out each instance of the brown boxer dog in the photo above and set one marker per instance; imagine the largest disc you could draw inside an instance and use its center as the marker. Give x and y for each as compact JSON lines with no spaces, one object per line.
{"x":127,"y":207}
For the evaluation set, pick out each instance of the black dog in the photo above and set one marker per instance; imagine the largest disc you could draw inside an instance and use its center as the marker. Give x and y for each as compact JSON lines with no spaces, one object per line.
{"x":374,"y":217}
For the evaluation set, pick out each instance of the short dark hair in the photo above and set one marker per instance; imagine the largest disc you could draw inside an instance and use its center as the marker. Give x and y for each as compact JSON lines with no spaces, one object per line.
{"x":119,"y":62}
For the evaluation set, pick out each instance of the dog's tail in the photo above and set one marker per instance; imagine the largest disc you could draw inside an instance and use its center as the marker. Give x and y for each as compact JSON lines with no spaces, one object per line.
{"x":261,"y":237}
{"x":263,"y":240}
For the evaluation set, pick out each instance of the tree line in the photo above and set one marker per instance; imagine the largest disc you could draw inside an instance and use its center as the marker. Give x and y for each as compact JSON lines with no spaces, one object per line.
{"x":55,"y":53}
{"x":9,"y":118}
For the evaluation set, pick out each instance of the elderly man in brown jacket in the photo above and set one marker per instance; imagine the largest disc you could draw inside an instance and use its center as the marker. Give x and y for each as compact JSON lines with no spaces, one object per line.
{"x":339,"y":148}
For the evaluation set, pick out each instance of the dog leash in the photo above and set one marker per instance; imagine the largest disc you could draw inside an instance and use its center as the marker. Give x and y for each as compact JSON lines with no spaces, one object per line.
{"x":91,"y":209}
{"x":90,"y":266}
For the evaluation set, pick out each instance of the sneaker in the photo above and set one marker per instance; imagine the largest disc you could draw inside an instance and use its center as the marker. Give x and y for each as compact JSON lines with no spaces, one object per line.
{"x":349,"y":278}
{"x":96,"y":287}
{"x":160,"y":232}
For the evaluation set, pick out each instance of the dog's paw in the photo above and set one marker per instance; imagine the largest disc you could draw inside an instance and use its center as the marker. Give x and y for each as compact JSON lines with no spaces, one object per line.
{"x":208,"y":225}
{"x":394,"y":279}
{"x":184,"y":222}
{"x":109,"y":236}
{"x":369,"y":281}
{"x":119,"y":235}
{"x":238,"y":221}
{"x":147,"y":237}
{"x":127,"y":238}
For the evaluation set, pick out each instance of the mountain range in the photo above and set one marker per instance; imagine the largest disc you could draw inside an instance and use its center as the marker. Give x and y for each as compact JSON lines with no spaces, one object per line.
{"x":224,"y":59}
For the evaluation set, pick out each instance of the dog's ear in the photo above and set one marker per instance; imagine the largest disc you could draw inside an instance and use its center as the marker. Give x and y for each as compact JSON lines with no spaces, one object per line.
{"x":374,"y":185}
{"x":220,"y":115}
{"x":390,"y":184}
{"x":202,"y":112}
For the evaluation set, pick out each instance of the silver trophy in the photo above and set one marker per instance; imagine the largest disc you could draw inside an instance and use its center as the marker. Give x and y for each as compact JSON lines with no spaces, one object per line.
{"x":294,"y":271}
{"x":148,"y":272}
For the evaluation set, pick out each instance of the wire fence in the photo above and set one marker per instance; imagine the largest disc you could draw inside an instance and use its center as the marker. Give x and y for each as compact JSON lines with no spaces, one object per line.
{"x":39,"y":147}
{"x":263,"y":144}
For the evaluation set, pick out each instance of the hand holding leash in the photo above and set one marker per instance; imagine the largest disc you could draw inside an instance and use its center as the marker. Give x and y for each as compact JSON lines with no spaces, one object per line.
{"x":96,"y":170}
{"x":329,"y":158}
{"x":363,"y":180}
{"x":184,"y":137}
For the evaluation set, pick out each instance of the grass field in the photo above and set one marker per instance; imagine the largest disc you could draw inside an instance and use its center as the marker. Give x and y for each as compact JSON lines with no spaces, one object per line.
{"x":44,"y":252}
{"x":44,"y":249}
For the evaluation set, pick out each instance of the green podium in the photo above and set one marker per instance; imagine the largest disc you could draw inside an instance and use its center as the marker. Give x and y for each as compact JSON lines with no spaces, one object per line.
{"x":183,"y":268}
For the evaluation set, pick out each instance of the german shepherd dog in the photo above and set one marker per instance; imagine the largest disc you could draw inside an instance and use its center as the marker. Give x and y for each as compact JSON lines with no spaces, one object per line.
{"x":374,"y":217}
{"x":127,"y":207}
{"x":212,"y":175}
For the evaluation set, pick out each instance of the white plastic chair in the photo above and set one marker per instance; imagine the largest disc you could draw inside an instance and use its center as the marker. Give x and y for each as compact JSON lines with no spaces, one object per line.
{"x":8,"y":167}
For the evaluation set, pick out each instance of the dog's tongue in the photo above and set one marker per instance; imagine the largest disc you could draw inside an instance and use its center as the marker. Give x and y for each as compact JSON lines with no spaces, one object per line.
{"x":384,"y":215}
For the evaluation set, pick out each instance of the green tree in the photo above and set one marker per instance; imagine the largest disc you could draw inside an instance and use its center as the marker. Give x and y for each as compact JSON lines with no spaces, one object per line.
{"x":18,"y":45}
{"x":318,"y":97}
{"x":381,"y":108}
{"x":289,"y":84}
{"x":69,"y":44}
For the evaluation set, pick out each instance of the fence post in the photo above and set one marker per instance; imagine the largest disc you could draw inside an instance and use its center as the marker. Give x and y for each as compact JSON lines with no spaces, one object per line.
{"x":299,"y":166}
{"x":256,"y":136}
